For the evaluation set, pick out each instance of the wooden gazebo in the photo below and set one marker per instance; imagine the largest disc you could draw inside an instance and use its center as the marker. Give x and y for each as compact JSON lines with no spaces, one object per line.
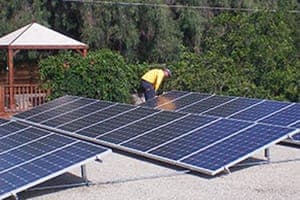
{"x":34,"y":37}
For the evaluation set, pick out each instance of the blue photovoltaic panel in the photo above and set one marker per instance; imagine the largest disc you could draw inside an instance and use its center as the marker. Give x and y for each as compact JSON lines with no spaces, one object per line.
{"x":261,"y":110}
{"x":96,"y":117}
{"x":184,"y":101}
{"x":116,"y":122}
{"x":73,"y":115}
{"x":285,"y":117}
{"x":50,"y":105}
{"x":2,"y":121}
{"x":32,"y":155}
{"x":167,"y":97}
{"x":232,"y":107}
{"x":140,"y":127}
{"x":11,"y":127}
{"x":167,"y":133}
{"x":168,"y":136}
{"x":206,"y":104}
{"x":199,"y":139}
{"x":218,"y":156}
{"x":296,"y":125}
{"x":67,"y":107}
{"x":18,"y":138}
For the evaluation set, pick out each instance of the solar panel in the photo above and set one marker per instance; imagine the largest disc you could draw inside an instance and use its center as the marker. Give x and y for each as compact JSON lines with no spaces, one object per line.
{"x":95,"y":117}
{"x":236,"y":148}
{"x":253,"y":110}
{"x":261,"y":110}
{"x":2,"y":121}
{"x":165,"y":98}
{"x":67,"y":107}
{"x":116,"y":122}
{"x":167,"y":133}
{"x":183,"y":101}
{"x":29,"y":156}
{"x":173,"y":137}
{"x":77,"y":113}
{"x":206,"y":104}
{"x":140,"y":127}
{"x":50,"y":105}
{"x":199,"y":139}
{"x":285,"y":117}
{"x":232,"y":107}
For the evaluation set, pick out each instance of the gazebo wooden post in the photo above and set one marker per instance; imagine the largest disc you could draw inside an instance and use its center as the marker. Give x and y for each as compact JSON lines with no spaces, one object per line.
{"x":11,"y":78}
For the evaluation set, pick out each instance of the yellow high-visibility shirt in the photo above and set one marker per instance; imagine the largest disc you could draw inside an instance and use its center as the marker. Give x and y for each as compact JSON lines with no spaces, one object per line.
{"x":155,"y":77}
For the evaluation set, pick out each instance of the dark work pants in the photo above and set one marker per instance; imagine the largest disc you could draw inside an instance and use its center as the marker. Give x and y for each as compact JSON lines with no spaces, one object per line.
{"x":148,"y":90}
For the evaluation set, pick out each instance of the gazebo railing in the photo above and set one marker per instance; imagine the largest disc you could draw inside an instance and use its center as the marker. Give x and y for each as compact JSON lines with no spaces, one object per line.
{"x":25,"y":96}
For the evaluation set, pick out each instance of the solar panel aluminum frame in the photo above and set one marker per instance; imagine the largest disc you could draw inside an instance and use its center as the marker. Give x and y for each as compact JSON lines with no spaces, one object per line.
{"x":46,"y":178}
{"x":162,"y":159}
{"x":291,"y":140}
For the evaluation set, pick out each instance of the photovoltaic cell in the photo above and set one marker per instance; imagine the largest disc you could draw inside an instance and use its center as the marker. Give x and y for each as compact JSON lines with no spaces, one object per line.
{"x":49,"y":105}
{"x":73,"y":115}
{"x":167,"y":97}
{"x":116,"y":122}
{"x":296,"y":125}
{"x":236,"y":147}
{"x":261,"y":110}
{"x":199,"y":139}
{"x":167,"y":133}
{"x":140,"y":127}
{"x":232,"y":107}
{"x":19,"y":138}
{"x":206,"y":104}
{"x":94,"y":118}
{"x":184,"y":101}
{"x":67,"y":107}
{"x":285,"y":117}
{"x":11,"y":127}
{"x":2,"y":121}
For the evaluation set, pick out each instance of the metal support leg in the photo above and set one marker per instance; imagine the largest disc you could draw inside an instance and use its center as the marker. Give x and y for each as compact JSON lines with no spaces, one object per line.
{"x":267,"y":154}
{"x":84,"y":174}
{"x":15,"y":196}
{"x":227,"y":170}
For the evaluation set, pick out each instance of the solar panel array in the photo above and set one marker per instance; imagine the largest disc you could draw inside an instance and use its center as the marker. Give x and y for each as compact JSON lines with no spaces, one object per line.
{"x":30,"y":155}
{"x":270,"y":112}
{"x":208,"y":144}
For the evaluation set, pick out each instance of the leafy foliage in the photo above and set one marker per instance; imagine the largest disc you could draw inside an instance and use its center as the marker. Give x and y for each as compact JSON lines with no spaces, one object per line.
{"x":245,"y":55}
{"x":101,"y":75}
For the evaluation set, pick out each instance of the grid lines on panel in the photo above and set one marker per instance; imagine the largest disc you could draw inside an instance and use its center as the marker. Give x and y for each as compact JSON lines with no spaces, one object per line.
{"x":46,"y":106}
{"x":140,"y":127}
{"x":167,"y":133}
{"x":206,"y":104}
{"x":184,"y":101}
{"x":116,"y":122}
{"x":232,"y":107}
{"x":94,"y":118}
{"x":73,"y":115}
{"x":261,"y":110}
{"x":199,"y":139}
{"x":236,"y":147}
{"x":285,"y":117}
{"x":59,"y":110}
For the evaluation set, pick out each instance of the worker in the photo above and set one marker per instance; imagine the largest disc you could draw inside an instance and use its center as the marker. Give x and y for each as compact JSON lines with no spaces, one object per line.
{"x":151,"y":81}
